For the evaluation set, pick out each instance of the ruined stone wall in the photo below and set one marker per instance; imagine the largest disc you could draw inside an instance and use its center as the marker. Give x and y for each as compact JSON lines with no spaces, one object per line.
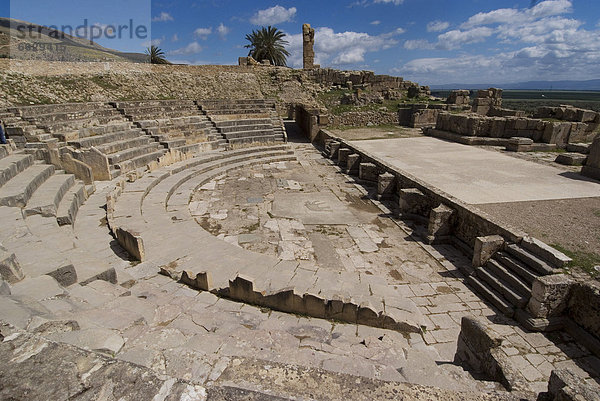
{"x":330,"y":77}
{"x":421,"y":115}
{"x":552,"y":132}
{"x":365,"y":118}
{"x":584,"y":307}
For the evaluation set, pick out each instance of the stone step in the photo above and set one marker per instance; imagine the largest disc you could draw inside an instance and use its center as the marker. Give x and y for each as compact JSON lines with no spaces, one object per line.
{"x":178,"y":131}
{"x":140,"y":161}
{"x":488,"y":293}
{"x":117,"y":158}
{"x":70,"y":204}
{"x":242,"y":128}
{"x":48,"y":196}
{"x":18,"y":191}
{"x":514,"y":281}
{"x":154,"y":111}
{"x":55,"y":108}
{"x":235,"y":111}
{"x":72,"y":125}
{"x":105,"y":129}
{"x":246,"y":122}
{"x":118,"y":146}
{"x":246,"y":134}
{"x":52,"y":118}
{"x":106,"y":138}
{"x":253,"y":139}
{"x":501,"y":287}
{"x":171,"y":143}
{"x":153,"y":103}
{"x":530,"y":260}
{"x":11,"y":165}
{"x":515,"y":266}
{"x":199,"y":147}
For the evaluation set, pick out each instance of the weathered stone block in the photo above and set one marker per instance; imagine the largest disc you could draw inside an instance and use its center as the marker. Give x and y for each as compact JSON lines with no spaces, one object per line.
{"x":334,"y":148}
{"x":550,"y":295}
{"x":584,"y":306}
{"x":385,"y":185}
{"x":485,"y":248}
{"x":564,"y":385}
{"x":552,"y":256}
{"x":518,"y":144}
{"x":571,"y":159}
{"x":557,"y":133}
{"x":353,"y":164}
{"x":440,"y":222}
{"x":368,"y":172}
{"x":343,"y":154}
{"x":132,"y":242}
{"x":10,"y":270}
{"x":413,"y":201}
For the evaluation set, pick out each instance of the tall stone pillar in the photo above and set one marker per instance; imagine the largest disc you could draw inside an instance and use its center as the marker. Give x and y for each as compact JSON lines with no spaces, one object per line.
{"x":308,"y":39}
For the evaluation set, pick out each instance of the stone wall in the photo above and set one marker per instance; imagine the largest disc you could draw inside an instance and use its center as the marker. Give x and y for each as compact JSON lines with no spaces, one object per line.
{"x":365,"y":118}
{"x":584,"y":306}
{"x":330,"y":77}
{"x":421,"y":115}
{"x":551,"y":132}
{"x":486,"y":99}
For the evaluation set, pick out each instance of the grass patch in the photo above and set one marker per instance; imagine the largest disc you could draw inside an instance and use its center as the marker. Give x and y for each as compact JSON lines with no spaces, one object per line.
{"x":597,"y":213}
{"x":582,"y":260}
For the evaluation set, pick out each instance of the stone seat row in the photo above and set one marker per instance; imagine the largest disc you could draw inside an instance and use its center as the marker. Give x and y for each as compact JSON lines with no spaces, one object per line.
{"x":183,"y":250}
{"x":38,"y":205}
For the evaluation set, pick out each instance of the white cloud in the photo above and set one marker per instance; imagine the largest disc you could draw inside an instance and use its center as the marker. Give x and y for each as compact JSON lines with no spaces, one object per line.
{"x":395,"y":2}
{"x":163,"y":17}
{"x":377,"y":22}
{"x":437,"y":26}
{"x":418,"y":44}
{"x":191,"y":48}
{"x":202,"y":33}
{"x":341,"y":48}
{"x":175,"y":38}
{"x":274,"y":15}
{"x":223,"y":31}
{"x":539,"y":43}
{"x":456,"y":38}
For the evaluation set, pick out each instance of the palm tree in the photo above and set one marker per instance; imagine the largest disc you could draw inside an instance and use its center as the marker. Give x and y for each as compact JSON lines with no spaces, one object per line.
{"x":268,"y":44}
{"x":157,"y":56}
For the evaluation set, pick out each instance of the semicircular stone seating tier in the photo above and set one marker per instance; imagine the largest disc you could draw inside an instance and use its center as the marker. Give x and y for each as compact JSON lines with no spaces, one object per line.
{"x":151,"y":219}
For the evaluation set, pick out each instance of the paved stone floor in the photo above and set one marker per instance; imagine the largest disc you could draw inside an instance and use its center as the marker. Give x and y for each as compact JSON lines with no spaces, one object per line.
{"x":479,"y":176}
{"x":274,"y":209}
{"x":153,"y":321}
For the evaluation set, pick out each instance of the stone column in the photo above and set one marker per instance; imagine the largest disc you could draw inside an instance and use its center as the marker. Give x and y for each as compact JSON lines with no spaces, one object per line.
{"x":308,"y":39}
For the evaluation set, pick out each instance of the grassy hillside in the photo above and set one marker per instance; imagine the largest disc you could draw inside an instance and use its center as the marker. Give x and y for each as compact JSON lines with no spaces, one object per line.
{"x":54,"y":47}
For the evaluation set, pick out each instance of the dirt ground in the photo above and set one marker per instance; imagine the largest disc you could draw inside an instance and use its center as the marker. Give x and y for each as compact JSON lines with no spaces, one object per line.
{"x":574,"y":224}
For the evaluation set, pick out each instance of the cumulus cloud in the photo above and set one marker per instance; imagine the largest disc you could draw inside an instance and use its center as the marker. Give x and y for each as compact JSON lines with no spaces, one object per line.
{"x":274,"y":15}
{"x":376,"y":22}
{"x":223,"y":31}
{"x":202,"y":33}
{"x":341,"y":48}
{"x":437,"y":26}
{"x":541,"y":42}
{"x":163,"y":17}
{"x":395,"y":2}
{"x":191,"y":48}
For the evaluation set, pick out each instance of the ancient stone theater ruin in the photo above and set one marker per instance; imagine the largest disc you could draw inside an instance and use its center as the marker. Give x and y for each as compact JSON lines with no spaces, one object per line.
{"x":210,"y":233}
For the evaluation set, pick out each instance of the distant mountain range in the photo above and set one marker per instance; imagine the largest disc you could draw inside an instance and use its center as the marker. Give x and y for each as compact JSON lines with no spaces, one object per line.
{"x":53,"y":45}
{"x":591,"y":85}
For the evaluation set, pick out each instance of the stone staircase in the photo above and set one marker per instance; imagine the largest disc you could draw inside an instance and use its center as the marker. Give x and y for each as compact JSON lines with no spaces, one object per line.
{"x":506,"y":279}
{"x":86,"y":125}
{"x":244,"y":122}
{"x":176,"y":124}
{"x":38,"y":206}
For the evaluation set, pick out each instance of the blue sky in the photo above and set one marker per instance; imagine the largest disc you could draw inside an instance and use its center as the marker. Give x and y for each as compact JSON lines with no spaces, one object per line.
{"x":427,"y":41}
